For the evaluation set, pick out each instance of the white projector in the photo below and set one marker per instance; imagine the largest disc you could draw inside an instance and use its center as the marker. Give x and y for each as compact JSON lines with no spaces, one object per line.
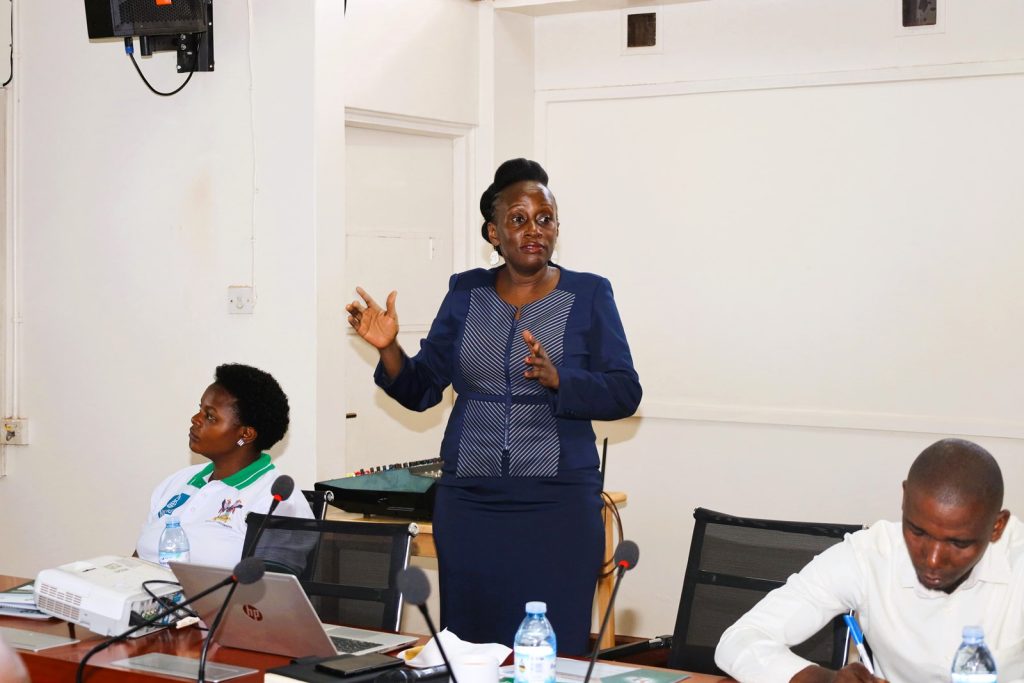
{"x":102,"y":593}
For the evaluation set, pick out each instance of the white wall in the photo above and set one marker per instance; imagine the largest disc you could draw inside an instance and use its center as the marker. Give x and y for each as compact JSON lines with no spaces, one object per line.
{"x":134,"y":214}
{"x":810,"y":221}
{"x":4,"y":179}
{"x":514,"y":87}
{"x":835,"y":253}
{"x":724,"y":39}
{"x":413,"y":58}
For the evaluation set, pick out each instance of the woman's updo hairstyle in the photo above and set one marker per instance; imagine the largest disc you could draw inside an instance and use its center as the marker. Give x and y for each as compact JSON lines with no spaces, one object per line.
{"x":509,"y":173}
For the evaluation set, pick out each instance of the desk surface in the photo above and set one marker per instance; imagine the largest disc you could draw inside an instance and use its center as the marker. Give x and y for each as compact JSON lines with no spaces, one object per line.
{"x":60,"y":663}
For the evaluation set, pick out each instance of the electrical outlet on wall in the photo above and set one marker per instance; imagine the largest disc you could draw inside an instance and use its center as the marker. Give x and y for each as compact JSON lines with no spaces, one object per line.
{"x":15,"y":431}
{"x":241,"y":299}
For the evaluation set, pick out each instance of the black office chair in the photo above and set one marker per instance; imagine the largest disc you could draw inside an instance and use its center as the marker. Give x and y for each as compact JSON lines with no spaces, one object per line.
{"x":347,"y":569}
{"x":733,"y":563}
{"x":318,"y":501}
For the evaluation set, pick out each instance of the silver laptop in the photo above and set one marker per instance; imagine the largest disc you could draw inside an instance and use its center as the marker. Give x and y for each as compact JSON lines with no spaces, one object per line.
{"x":274,"y":615}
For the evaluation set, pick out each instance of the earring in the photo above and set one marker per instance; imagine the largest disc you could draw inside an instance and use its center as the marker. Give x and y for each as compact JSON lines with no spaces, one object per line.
{"x":493,"y":260}
{"x":241,"y":442}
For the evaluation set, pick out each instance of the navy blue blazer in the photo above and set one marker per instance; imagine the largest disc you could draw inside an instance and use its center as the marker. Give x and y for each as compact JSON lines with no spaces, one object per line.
{"x":504,"y":424}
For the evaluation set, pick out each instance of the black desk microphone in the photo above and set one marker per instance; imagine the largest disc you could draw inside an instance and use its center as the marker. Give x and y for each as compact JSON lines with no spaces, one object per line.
{"x":413,"y":584}
{"x":626,"y":557}
{"x":281,"y":489}
{"x":251,"y":577}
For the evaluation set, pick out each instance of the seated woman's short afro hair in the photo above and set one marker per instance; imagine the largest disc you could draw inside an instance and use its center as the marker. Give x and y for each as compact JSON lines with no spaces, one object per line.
{"x":260,"y":402}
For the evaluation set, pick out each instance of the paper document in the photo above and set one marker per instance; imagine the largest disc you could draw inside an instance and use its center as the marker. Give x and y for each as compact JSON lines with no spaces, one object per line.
{"x":23,"y":613}
{"x":20,"y":601}
{"x":19,"y":596}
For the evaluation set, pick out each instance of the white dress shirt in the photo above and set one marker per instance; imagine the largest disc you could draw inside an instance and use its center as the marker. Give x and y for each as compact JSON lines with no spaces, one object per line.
{"x":913,"y":631}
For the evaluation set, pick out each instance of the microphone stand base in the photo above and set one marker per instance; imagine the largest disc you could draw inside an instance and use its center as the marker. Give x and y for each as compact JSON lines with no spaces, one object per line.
{"x":182,"y":667}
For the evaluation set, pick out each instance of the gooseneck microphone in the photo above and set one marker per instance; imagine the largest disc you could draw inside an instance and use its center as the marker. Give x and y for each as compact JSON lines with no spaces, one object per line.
{"x":281,"y":489}
{"x":247,"y":571}
{"x":251,"y":576}
{"x":626,"y":556}
{"x":414,"y":586}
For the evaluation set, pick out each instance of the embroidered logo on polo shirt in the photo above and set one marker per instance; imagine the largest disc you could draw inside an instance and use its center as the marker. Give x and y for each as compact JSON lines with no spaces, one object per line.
{"x":227,"y":509}
{"x":172,"y":504}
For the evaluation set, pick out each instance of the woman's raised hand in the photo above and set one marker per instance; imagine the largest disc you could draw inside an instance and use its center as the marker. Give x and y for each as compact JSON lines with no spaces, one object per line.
{"x":378,"y":326}
{"x":540,"y":366}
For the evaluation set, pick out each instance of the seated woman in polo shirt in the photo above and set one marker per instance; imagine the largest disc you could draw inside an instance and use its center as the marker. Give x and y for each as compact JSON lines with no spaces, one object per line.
{"x":240,"y":415}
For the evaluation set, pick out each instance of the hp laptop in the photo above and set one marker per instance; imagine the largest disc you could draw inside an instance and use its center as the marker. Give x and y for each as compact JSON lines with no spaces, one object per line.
{"x":274,"y":615}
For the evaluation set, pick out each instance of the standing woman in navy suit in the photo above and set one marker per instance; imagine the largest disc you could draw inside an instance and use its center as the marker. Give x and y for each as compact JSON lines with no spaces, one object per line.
{"x":534,"y":352}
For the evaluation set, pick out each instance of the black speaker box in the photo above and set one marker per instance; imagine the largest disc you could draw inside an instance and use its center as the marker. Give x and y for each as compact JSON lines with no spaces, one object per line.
{"x":119,"y":18}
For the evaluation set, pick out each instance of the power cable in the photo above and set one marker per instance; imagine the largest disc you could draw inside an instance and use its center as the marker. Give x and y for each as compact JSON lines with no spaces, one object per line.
{"x":129,"y":49}
{"x":11,"y":77}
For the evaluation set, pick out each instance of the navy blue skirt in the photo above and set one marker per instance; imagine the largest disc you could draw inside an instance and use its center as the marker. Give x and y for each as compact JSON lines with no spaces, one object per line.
{"x":504,"y":541}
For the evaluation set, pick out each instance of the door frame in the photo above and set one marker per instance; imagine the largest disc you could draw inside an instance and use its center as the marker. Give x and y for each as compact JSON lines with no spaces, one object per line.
{"x":463,"y":138}
{"x":464,"y":154}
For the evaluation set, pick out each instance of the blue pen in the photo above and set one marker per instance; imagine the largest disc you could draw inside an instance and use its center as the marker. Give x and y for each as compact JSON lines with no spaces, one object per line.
{"x":858,"y":640}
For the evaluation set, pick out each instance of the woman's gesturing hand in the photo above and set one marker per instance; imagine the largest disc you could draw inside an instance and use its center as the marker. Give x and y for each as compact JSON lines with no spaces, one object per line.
{"x":540,"y":366}
{"x":378,"y":326}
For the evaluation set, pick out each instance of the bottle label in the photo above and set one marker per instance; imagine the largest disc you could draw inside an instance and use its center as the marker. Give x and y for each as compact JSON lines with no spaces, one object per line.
{"x":974,"y":678}
{"x":177,"y":556}
{"x":535,"y":664}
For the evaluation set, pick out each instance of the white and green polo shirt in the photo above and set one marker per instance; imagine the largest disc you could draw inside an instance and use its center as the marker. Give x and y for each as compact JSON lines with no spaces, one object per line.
{"x":212,"y":513}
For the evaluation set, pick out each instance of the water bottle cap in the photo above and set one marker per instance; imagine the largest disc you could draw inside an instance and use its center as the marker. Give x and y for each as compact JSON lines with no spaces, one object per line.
{"x":171,"y":520}
{"x":974,"y":634}
{"x":536,"y":607}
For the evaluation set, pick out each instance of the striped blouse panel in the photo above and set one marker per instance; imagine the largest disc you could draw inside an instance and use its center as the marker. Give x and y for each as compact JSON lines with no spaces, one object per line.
{"x":493,"y":366}
{"x":480,"y":445}
{"x":484,"y":339}
{"x":545,"y":319}
{"x":533,"y":441}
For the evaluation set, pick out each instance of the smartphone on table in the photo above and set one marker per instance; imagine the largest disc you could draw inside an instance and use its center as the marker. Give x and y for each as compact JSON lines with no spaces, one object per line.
{"x":350,"y":665}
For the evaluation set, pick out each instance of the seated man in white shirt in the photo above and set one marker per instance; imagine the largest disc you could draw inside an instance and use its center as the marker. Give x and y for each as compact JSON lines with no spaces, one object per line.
{"x":957,"y":559}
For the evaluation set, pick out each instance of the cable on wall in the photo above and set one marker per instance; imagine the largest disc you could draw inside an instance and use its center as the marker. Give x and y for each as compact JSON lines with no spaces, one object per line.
{"x":129,"y":49}
{"x":11,"y":77}
{"x":11,"y":324}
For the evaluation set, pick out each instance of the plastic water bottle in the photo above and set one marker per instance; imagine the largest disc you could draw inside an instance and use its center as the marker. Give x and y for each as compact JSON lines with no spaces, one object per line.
{"x":535,"y":646}
{"x":973,"y":662}
{"x":173,"y":542}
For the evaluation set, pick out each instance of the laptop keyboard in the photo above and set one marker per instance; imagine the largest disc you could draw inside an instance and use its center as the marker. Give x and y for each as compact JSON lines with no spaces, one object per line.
{"x":349,"y":645}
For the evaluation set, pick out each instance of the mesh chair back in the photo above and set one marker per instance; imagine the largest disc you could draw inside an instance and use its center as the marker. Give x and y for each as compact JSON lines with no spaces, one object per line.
{"x":347,"y":569}
{"x":733,"y":563}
